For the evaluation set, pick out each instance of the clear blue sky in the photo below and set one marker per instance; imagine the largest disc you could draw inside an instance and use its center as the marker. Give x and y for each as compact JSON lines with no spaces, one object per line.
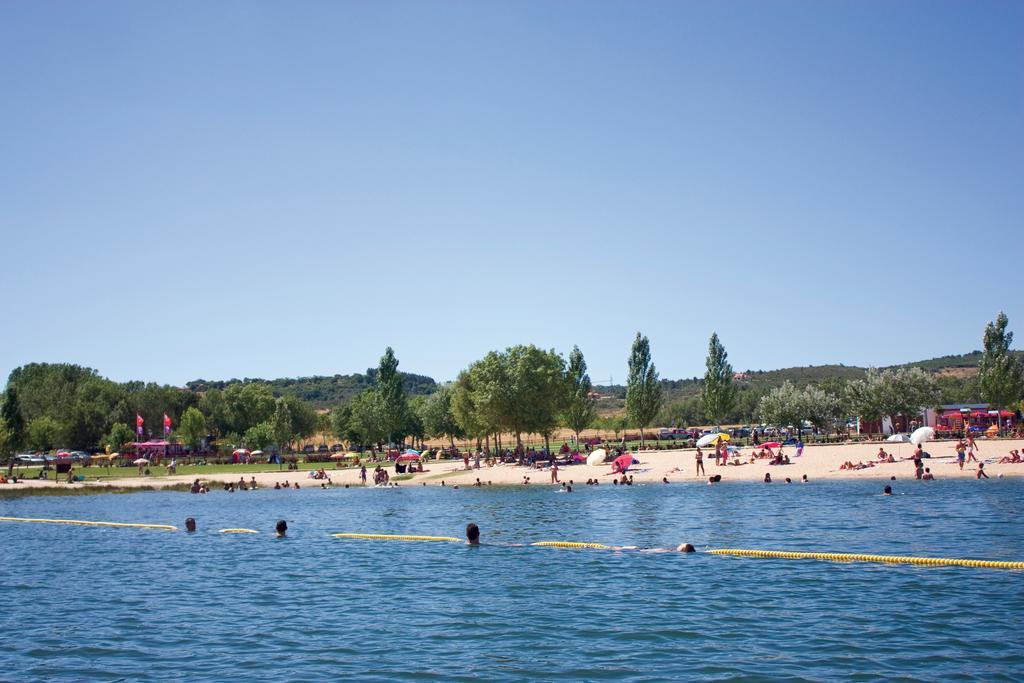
{"x":264,"y":189}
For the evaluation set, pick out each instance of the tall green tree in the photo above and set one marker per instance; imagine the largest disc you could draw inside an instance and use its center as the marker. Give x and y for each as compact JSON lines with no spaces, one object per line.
{"x":366,"y":417}
{"x":13,"y":421}
{"x":341,"y":424}
{"x":438,"y":416}
{"x":579,"y":411}
{"x":44,"y":433}
{"x":643,"y":390}
{"x":1000,"y":373}
{"x":717,"y":393}
{"x":784,"y":405}
{"x":192,"y":427}
{"x":119,"y":435}
{"x":393,"y":404}
{"x":282,"y":425}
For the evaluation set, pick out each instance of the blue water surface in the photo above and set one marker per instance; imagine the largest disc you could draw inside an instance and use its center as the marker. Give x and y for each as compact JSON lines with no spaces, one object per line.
{"x":128,"y":604}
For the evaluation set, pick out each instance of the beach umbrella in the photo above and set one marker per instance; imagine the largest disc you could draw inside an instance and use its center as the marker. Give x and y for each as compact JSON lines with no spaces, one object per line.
{"x":770,"y":444}
{"x":408,"y":456}
{"x":597,"y":457}
{"x":352,"y":454}
{"x":339,"y":456}
{"x":622,"y":462}
{"x":240,"y":451}
{"x":257,"y":453}
{"x":409,"y":451}
{"x":898,"y":438}
{"x":922,"y":434}
{"x":709,"y":439}
{"x":140,"y":461}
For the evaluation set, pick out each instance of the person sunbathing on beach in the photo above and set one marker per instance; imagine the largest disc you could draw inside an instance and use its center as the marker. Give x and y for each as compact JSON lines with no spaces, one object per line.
{"x":882,"y":455}
{"x":1013,"y":457}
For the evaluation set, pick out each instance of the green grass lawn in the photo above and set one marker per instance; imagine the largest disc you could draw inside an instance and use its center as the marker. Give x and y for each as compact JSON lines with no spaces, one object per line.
{"x":96,"y":473}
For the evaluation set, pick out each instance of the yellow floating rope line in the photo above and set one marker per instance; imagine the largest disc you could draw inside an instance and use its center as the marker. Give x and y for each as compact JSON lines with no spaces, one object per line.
{"x":397,"y":537}
{"x":570,"y":544}
{"x":81,"y":522}
{"x":857,"y":557}
{"x":239,"y":531}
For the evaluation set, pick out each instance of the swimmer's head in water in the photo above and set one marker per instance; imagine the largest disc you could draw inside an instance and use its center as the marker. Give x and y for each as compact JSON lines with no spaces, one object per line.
{"x":281,"y":527}
{"x":472,"y":534}
{"x":888,"y":490}
{"x":686,"y":548}
{"x":190,"y":524}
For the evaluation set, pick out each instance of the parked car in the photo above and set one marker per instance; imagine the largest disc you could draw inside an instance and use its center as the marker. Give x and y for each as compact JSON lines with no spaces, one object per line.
{"x":28,"y":459}
{"x":337,"y":448}
{"x":308,"y":448}
{"x":322,"y":448}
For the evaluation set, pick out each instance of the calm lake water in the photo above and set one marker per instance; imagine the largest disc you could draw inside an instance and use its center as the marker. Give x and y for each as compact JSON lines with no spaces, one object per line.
{"x":125,"y":604}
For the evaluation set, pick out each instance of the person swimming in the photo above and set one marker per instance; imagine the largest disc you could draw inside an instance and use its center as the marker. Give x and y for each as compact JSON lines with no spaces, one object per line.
{"x":887,"y":491}
{"x":472,"y":534}
{"x":281,"y":528}
{"x":190,"y":524}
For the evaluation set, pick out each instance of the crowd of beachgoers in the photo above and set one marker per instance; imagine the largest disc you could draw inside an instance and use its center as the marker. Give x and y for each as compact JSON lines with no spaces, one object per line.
{"x":719,"y":463}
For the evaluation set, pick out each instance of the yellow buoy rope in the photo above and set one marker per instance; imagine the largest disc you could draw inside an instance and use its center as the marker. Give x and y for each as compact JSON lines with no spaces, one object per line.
{"x":741,"y":552}
{"x":397,"y":537}
{"x":82,"y":522}
{"x":570,"y":544}
{"x":857,"y":557}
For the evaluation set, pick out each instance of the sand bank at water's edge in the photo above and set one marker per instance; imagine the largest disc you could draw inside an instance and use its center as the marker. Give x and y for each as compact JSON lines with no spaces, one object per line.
{"x":818,"y":463}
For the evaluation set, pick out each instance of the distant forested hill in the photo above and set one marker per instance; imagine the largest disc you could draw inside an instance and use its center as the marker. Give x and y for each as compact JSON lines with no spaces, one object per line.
{"x":964,"y":366}
{"x":321,"y":391}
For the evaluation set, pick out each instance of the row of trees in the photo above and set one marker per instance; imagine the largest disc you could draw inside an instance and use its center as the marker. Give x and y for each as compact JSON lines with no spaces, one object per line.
{"x":62,"y":405}
{"x":521,"y":390}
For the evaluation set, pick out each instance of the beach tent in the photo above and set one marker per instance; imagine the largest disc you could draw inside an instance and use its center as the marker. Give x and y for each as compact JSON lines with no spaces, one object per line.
{"x":621,"y":464}
{"x":597,"y":457}
{"x":922,"y":434}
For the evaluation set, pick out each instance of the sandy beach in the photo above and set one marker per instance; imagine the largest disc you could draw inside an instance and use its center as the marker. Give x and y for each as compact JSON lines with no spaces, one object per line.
{"x":678,"y":466}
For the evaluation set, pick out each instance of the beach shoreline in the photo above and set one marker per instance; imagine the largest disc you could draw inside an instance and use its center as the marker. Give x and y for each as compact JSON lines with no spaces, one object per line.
{"x":819,"y":463}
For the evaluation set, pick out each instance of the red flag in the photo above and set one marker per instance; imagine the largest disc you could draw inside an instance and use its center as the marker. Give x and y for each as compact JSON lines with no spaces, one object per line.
{"x":167,"y":424}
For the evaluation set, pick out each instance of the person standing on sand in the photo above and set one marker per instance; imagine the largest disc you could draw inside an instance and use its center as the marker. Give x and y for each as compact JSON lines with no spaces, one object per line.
{"x":554,"y":472}
{"x":918,"y":462}
{"x":972,"y":448}
{"x":700,"y":463}
{"x":362,"y":475}
{"x":961,"y":450}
